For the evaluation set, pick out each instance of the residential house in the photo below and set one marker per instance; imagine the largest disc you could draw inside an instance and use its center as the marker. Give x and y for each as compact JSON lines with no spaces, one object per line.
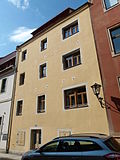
{"x":56,"y":69}
{"x":7,"y":74}
{"x":106,"y":25}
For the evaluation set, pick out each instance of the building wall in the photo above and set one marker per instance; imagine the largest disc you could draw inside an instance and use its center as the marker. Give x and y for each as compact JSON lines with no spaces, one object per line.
{"x":87,"y":119}
{"x":109,"y":63}
{"x":5,"y":104}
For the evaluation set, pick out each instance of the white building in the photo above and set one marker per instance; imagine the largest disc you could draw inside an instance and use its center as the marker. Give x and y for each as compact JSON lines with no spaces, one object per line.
{"x":7,"y":73}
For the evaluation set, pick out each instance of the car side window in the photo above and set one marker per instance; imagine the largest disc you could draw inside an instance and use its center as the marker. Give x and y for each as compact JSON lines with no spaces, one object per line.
{"x":89,"y":146}
{"x":69,"y":146}
{"x":50,"y":147}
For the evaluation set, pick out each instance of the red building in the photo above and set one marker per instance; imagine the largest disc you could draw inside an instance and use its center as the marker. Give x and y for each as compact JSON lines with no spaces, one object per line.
{"x":105,"y":15}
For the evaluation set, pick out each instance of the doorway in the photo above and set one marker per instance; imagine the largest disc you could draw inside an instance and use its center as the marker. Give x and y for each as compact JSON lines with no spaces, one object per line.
{"x":35,"y":138}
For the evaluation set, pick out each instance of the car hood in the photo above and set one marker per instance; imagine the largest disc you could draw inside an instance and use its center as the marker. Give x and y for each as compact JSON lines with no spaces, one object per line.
{"x":29,"y":152}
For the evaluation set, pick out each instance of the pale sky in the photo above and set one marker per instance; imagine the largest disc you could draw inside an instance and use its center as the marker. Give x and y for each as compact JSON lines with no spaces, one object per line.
{"x":18,"y":18}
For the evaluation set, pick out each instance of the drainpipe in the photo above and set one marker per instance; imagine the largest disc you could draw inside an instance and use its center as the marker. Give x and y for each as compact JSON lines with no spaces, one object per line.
{"x":12,"y":105}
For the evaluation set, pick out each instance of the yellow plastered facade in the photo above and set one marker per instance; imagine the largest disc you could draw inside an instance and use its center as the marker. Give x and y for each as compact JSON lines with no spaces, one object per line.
{"x":92,"y":118}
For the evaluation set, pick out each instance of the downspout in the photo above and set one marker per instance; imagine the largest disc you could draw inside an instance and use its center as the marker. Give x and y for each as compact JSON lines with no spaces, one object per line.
{"x":12,"y":104}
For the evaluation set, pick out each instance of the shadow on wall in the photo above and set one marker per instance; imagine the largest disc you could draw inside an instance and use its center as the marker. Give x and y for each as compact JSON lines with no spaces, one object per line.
{"x":116,"y":102}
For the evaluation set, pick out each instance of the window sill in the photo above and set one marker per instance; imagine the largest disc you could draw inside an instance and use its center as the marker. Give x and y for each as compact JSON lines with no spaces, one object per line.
{"x":3,"y":92}
{"x":40,"y":112}
{"x":43,"y":49}
{"x":71,"y":67}
{"x":70,"y":36}
{"x":75,"y":107}
{"x":21,"y":84}
{"x":18,"y":115}
{"x":43,"y":77}
{"x":115,"y":55}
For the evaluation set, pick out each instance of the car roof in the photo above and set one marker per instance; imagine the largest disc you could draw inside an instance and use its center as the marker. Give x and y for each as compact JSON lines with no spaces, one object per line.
{"x":85,"y":135}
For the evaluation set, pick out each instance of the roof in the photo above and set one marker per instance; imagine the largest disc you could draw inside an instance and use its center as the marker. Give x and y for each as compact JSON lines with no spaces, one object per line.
{"x":53,"y":21}
{"x":66,"y":13}
{"x":7,"y":57}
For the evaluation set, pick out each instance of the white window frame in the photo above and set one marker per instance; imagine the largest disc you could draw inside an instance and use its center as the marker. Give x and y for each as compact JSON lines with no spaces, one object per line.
{"x":17,"y":106}
{"x":105,"y":8}
{"x":37,"y":104}
{"x":72,"y":87}
{"x":70,"y":58}
{"x":63,"y":130}
{"x":110,"y":41}
{"x":118,"y":80}
{"x":22,"y":60}
{"x":62,"y":39}
{"x":46,"y":70}
{"x":5,"y":85}
{"x":41,"y":49}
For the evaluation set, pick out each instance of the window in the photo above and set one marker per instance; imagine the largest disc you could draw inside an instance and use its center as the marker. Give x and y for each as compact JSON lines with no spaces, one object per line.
{"x":24,"y":55}
{"x":41,"y":104}
{"x":63,"y":132}
{"x":19,"y":108}
{"x":50,"y":147}
{"x":89,"y":146}
{"x":119,"y":81}
{"x":43,"y":70}
{"x":22,"y":79}
{"x":20,"y":138}
{"x":71,"y":59}
{"x":110,"y":3}
{"x":44,"y":44}
{"x":113,"y":144}
{"x":75,"y":98}
{"x":70,"y":30}
{"x":71,"y":146}
{"x":0,"y":121}
{"x":115,"y":36}
{"x":3,"y":85}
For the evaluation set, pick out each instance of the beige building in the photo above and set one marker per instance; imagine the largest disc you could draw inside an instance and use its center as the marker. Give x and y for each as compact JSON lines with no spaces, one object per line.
{"x":56,"y":69}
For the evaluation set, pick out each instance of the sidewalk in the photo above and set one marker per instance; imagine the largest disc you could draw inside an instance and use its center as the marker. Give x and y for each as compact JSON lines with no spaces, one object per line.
{"x":5,"y":156}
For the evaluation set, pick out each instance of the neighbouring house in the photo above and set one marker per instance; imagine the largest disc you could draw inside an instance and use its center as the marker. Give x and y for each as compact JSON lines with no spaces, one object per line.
{"x":7,"y":74}
{"x":105,"y":15}
{"x":56,"y":69}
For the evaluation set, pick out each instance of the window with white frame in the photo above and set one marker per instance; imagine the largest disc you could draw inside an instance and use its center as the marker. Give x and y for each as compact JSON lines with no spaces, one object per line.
{"x":115,"y":38}
{"x":44,"y":44}
{"x":64,"y":132}
{"x":41,"y":104}
{"x":71,"y":59}
{"x":0,"y":121}
{"x":119,"y":81}
{"x":24,"y":55}
{"x":3,"y":85}
{"x":22,"y":79}
{"x":110,"y":3}
{"x":43,"y":70}
{"x":19,"y":108}
{"x":70,"y":30}
{"x":75,"y":97}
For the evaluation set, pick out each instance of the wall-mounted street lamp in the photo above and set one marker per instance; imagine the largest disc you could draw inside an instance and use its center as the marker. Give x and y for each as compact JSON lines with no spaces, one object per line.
{"x":96,"y":90}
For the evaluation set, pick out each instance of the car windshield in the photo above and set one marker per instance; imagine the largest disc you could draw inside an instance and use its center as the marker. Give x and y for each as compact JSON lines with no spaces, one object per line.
{"x":113,"y":144}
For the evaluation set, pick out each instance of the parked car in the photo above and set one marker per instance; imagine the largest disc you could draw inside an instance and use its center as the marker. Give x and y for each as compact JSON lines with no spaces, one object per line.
{"x":77,"y":147}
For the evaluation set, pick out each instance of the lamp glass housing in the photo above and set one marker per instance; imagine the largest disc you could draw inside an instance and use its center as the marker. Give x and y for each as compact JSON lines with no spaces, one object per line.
{"x":96,"y":89}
